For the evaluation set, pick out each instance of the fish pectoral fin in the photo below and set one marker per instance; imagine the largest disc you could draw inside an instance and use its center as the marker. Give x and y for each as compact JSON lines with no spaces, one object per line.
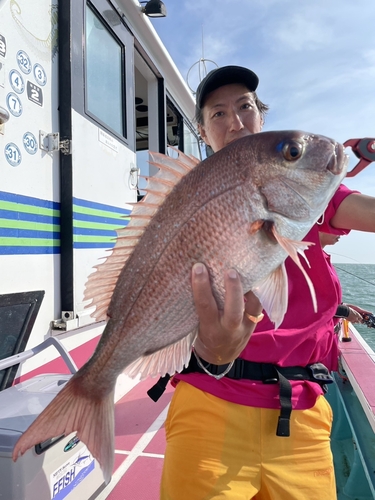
{"x":272,"y":292}
{"x":91,"y":417}
{"x":170,"y":359}
{"x":293,"y":248}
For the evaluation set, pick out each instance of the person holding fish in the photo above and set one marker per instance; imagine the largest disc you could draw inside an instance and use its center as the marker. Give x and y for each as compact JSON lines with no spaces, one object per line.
{"x":248,"y":418}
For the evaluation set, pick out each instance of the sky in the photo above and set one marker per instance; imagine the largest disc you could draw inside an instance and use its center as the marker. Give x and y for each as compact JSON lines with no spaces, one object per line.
{"x":315,"y":61}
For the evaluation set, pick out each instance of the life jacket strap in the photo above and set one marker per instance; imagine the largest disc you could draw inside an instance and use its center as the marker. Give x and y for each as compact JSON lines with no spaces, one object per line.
{"x":268,"y":373}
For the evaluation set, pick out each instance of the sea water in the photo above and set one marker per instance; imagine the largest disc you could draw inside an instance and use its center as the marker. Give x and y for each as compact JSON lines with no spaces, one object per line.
{"x":358,"y":288}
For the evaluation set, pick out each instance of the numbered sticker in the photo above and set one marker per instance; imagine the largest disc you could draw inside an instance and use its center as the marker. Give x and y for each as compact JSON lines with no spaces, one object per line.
{"x":13,"y":154}
{"x":30,"y":143}
{"x":40,"y":74}
{"x":3,"y":46}
{"x":16,"y":81}
{"x":35,"y":93}
{"x":14,"y":104}
{"x":24,"y":62}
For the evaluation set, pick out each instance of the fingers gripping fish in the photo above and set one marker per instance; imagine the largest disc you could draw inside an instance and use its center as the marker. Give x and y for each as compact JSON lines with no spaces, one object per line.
{"x":246,"y":207}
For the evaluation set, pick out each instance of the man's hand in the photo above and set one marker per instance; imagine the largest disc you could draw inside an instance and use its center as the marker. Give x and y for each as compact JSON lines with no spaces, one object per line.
{"x":222,"y":334}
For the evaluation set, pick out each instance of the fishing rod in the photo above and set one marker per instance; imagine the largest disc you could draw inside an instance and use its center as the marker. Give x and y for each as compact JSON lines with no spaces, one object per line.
{"x":352,"y":274}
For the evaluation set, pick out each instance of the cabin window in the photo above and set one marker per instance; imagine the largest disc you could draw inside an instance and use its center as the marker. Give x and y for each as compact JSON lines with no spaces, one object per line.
{"x":191,"y":142}
{"x":104,"y":70}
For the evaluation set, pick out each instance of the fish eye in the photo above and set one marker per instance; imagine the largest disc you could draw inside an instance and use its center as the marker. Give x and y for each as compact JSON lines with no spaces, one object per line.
{"x":292,"y":150}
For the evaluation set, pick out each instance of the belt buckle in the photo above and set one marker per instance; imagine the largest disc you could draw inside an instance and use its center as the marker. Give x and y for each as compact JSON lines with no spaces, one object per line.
{"x":270,"y":380}
{"x":268,"y":374}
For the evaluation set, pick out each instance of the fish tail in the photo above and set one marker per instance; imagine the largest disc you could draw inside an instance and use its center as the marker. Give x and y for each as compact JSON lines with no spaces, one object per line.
{"x":91,"y":416}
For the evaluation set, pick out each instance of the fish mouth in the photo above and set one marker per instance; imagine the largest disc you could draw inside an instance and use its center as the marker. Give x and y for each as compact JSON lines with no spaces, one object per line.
{"x":339,"y":159}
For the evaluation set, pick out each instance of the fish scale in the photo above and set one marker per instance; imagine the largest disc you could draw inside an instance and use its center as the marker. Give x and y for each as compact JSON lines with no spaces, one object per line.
{"x":246,"y":207}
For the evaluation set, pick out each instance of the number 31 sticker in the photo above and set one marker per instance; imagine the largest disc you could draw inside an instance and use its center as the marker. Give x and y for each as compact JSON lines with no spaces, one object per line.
{"x":13,"y":154}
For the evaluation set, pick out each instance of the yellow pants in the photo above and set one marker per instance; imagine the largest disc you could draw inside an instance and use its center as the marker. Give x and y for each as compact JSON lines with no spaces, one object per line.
{"x":221,"y":450}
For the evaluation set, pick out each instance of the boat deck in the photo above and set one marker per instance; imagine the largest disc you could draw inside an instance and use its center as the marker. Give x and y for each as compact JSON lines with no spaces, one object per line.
{"x":358,"y":361}
{"x":139,"y":445}
{"x":140,"y":437}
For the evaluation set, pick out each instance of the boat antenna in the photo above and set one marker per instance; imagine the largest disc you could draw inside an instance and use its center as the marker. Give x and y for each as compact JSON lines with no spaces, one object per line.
{"x":202,"y":66}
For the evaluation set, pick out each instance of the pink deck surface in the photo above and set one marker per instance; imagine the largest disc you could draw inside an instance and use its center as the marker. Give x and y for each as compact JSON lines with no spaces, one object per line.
{"x":362,"y":367}
{"x":141,"y":481}
{"x":134,"y":414}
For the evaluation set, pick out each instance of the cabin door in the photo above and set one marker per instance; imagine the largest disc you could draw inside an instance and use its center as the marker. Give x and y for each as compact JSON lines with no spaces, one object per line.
{"x":98,"y":165}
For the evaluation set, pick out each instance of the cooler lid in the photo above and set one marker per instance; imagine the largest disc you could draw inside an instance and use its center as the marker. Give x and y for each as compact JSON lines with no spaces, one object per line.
{"x":22,"y":403}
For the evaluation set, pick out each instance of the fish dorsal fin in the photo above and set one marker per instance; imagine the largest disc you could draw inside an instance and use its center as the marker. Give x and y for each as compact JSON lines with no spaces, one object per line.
{"x":272,"y":292}
{"x":170,"y":360}
{"x":102,"y":281}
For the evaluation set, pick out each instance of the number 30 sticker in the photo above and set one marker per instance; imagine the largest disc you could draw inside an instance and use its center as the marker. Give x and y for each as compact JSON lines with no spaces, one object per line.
{"x":30,"y":143}
{"x":13,"y":154}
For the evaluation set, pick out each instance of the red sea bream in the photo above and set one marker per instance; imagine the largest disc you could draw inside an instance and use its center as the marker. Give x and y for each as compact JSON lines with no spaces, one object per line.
{"x":246,"y":207}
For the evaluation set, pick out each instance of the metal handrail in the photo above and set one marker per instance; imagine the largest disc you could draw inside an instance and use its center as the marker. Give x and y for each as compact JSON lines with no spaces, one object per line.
{"x":23,"y":356}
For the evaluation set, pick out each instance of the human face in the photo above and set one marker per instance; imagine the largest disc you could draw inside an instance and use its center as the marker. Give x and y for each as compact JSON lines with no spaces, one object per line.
{"x":229,"y":113}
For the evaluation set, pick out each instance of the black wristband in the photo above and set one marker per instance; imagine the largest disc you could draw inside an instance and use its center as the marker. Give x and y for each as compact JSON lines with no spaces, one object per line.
{"x":342,"y":311}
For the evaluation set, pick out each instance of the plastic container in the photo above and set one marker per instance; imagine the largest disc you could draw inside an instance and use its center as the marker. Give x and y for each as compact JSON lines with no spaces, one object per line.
{"x":59,"y":468}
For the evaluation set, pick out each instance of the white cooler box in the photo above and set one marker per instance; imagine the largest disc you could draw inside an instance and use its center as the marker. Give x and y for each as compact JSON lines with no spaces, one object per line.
{"x":56,"y":469}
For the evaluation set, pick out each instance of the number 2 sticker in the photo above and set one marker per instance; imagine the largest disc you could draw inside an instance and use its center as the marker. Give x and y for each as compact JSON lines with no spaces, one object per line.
{"x":34,"y":93}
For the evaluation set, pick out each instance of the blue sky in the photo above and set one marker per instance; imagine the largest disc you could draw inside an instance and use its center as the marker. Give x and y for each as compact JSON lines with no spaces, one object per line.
{"x":315,"y":61}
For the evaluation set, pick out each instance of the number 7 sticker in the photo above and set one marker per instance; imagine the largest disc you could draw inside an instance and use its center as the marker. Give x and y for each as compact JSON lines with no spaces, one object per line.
{"x":14,"y":104}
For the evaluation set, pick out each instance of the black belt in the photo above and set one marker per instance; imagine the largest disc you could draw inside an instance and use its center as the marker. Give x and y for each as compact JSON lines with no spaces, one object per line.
{"x":265,"y":372}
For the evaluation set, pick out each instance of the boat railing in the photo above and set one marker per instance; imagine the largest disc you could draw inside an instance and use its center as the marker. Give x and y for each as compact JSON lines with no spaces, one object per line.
{"x":50,"y":341}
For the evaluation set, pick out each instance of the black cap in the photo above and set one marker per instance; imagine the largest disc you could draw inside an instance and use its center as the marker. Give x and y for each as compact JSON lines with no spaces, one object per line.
{"x":224,"y":76}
